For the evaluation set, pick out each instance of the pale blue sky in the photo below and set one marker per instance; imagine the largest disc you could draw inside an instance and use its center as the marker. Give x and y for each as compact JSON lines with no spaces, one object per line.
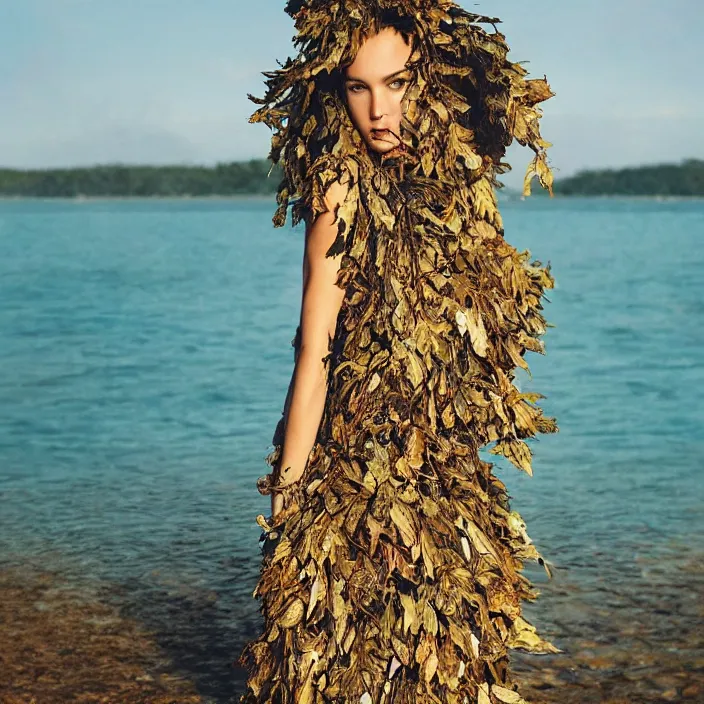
{"x":165,"y":81}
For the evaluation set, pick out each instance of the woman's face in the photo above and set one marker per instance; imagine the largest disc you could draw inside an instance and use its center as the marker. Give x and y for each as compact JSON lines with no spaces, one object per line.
{"x":375,"y":84}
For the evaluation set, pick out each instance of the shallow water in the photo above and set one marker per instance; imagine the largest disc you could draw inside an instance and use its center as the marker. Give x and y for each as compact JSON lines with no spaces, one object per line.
{"x":145,"y":357}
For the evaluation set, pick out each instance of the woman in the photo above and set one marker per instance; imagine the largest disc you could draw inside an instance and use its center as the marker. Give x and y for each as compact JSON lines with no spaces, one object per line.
{"x":391,"y":561}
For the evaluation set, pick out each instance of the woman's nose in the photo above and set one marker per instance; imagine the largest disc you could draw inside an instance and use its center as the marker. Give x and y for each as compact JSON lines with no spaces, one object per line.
{"x":377,"y":108}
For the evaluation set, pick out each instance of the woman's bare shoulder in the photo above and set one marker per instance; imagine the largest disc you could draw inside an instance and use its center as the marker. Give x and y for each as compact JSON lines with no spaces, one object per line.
{"x":322,"y":233}
{"x":323,"y":208}
{"x":337,"y":191}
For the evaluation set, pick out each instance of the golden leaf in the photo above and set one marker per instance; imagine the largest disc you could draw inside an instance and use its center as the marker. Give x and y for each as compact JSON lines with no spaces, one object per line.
{"x":315,"y":595}
{"x":461,"y":320}
{"x":430,"y":667}
{"x":349,"y":638}
{"x":537,"y":91}
{"x":374,"y":382}
{"x":448,"y":416}
{"x":437,"y":107}
{"x":507,"y":695}
{"x":415,"y":446}
{"x":483,"y":697}
{"x":525,"y":417}
{"x":429,"y":553}
{"x":481,"y":543}
{"x":402,"y":516}
{"x":375,"y":528}
{"x":410,"y":616}
{"x":477,"y":332}
{"x":430,"y":619}
{"x":475,"y":645}
{"x":369,"y":482}
{"x":524,"y":635}
{"x":293,"y":614}
{"x":517,"y":452}
{"x":401,"y":650}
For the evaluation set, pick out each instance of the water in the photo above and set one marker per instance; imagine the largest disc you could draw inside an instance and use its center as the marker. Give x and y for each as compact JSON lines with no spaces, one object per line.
{"x":145,"y":356}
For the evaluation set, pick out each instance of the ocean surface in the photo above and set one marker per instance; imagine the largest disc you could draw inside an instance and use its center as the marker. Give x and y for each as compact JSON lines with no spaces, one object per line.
{"x":145,"y":352}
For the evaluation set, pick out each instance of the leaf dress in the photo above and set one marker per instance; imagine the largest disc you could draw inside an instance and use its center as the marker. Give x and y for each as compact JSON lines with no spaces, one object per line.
{"x":394,"y":573}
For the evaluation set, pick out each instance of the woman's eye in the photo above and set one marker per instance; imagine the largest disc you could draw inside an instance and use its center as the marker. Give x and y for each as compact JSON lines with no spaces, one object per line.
{"x":355,"y":88}
{"x":398,"y":83}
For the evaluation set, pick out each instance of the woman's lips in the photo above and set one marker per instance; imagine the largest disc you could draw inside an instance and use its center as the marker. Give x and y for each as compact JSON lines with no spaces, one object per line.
{"x":379,"y":133}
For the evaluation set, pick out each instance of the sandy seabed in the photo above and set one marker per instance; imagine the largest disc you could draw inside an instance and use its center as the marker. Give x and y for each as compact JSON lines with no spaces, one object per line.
{"x":67,"y":643}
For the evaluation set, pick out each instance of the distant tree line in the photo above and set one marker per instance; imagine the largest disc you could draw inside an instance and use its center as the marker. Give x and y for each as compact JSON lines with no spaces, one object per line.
{"x":684,"y":179}
{"x":250,"y":177}
{"x":244,"y":177}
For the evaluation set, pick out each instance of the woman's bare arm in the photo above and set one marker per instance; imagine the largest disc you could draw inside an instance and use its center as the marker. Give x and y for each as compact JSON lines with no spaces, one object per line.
{"x":320,"y":304}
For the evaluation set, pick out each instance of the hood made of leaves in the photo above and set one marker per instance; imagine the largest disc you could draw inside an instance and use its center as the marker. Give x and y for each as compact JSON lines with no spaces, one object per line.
{"x":465,"y":105}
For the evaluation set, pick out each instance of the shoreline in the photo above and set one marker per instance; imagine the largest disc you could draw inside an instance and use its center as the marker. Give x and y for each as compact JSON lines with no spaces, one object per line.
{"x":177,"y":644}
{"x":272,"y":197}
{"x":80,"y":199}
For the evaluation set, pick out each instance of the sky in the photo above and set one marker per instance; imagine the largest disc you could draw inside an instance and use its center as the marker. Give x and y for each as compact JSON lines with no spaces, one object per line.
{"x":166,"y":81}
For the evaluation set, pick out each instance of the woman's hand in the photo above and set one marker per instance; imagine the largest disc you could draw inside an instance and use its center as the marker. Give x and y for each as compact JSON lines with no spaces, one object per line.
{"x":277,"y":497}
{"x":282,"y":479}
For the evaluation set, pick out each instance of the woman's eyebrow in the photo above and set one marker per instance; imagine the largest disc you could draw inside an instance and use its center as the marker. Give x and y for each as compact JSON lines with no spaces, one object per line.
{"x":386,"y":78}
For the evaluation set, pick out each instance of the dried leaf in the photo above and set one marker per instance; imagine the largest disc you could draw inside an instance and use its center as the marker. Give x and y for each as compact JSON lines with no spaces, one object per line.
{"x":507,"y":695}
{"x":403,"y":518}
{"x":517,"y":452}
{"x":293,"y":614}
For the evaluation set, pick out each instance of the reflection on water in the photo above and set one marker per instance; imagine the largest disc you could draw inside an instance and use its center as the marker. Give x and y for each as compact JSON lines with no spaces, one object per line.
{"x":145,"y":358}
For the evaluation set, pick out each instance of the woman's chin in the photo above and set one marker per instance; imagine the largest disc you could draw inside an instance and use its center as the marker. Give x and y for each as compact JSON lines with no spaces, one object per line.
{"x":381,"y":147}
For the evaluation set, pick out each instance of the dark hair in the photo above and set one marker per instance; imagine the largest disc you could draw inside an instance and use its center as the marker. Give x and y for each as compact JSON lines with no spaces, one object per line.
{"x":403,"y":24}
